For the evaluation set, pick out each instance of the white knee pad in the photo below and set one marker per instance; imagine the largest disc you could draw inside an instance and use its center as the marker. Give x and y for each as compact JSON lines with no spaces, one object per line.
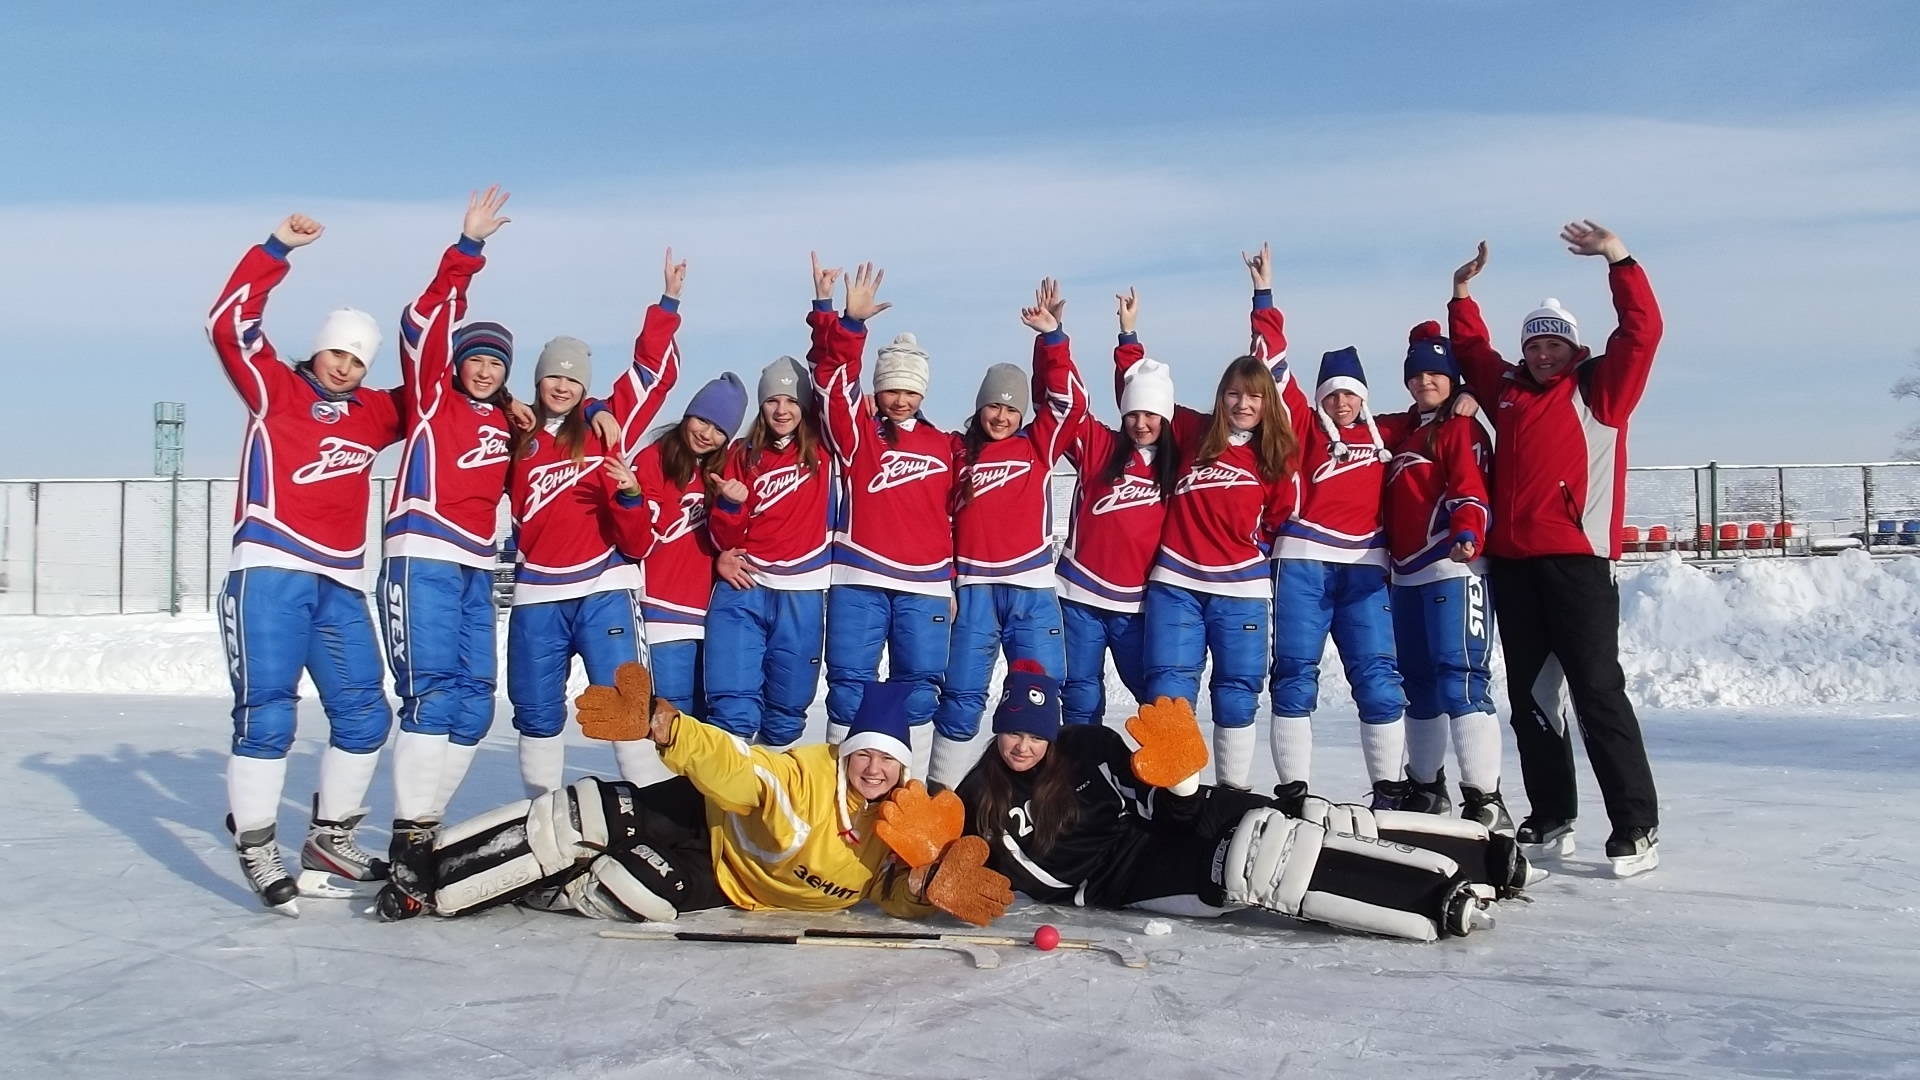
{"x":608,"y":890}
{"x":1270,"y":860}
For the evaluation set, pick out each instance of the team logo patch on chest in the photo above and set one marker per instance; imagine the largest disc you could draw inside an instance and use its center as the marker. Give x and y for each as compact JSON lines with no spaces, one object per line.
{"x":492,"y":449}
{"x":1130,"y":492}
{"x":338,"y":457}
{"x":1215,"y":476}
{"x":985,"y":476}
{"x":899,"y":467}
{"x":329,"y":412}
{"x":1358,"y":457}
{"x":776,"y":484}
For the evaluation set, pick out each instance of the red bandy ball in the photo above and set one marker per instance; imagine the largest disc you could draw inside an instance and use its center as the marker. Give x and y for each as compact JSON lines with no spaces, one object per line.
{"x":1046,"y":938}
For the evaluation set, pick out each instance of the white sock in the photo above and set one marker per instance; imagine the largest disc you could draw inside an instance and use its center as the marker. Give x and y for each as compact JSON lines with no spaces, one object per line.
{"x":836,"y":734}
{"x":543,"y":763}
{"x":949,"y":760}
{"x":640,"y":762}
{"x":1385,"y":748}
{"x":1233,"y":755}
{"x":1426,"y":747}
{"x":1292,"y":738}
{"x":452,"y":771}
{"x":344,"y":780}
{"x":418,"y":761}
{"x":253,"y":791}
{"x":1476,"y":741}
{"x":920,"y":741}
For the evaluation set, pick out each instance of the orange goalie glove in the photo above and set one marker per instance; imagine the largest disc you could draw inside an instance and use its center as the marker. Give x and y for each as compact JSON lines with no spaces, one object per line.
{"x":621,"y":712}
{"x":962,"y":886}
{"x":1171,"y":746}
{"x":917,"y":827}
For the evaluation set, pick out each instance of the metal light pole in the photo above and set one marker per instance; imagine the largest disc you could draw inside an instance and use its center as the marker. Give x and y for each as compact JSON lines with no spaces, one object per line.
{"x":169,"y":445}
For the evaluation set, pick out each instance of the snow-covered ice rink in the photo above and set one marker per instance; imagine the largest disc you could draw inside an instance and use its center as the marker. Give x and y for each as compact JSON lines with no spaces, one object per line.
{"x":1780,"y":937}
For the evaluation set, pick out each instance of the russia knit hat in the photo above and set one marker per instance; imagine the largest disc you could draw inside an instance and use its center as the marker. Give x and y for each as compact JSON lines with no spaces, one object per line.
{"x":483,"y":339}
{"x":1148,"y":387}
{"x":901,"y":365}
{"x":567,"y":357}
{"x":1428,"y":350}
{"x":722,"y":403}
{"x":786,"y":377}
{"x":1340,"y":370}
{"x":1550,"y":320}
{"x":1029,"y":702}
{"x":1004,"y":384}
{"x":349,"y":331}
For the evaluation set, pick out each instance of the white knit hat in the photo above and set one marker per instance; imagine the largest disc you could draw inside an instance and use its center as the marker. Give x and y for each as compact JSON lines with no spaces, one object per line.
{"x":901,"y":366}
{"x":349,"y":331}
{"x":1550,"y":320}
{"x":1148,"y":387}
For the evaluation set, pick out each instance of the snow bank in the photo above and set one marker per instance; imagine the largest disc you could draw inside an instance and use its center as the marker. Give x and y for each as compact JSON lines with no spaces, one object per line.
{"x":1825,"y":631}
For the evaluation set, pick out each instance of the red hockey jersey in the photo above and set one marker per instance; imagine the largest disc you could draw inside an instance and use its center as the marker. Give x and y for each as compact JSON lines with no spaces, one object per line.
{"x":894,"y":528}
{"x":575,"y":533}
{"x":1436,"y":495}
{"x":1223,"y":517}
{"x":782,"y":527}
{"x":679,"y":569}
{"x":304,"y":490}
{"x":1003,"y":523}
{"x":1115,"y":529}
{"x":453,"y":472}
{"x":1561,"y":479}
{"x":1337,"y":514}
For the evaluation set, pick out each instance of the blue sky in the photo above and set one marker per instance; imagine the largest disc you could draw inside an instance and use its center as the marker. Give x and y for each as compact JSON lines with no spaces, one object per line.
{"x":1763,"y":160}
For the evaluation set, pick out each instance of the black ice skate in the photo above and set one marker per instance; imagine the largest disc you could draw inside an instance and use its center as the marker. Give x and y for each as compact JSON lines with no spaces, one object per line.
{"x":331,"y":852}
{"x":410,"y":860}
{"x":1546,"y":837}
{"x":1428,"y":798}
{"x":1634,"y":850}
{"x":1487,"y":808}
{"x":1290,"y":797}
{"x":259,"y":853}
{"x":1389,"y":794}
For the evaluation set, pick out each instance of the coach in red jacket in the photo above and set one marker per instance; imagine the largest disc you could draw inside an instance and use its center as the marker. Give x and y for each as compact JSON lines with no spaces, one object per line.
{"x":1559,"y":484}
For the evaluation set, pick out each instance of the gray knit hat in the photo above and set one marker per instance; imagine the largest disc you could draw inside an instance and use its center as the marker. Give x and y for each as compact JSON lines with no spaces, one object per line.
{"x":1005,"y":384}
{"x":789,"y":377}
{"x":566,"y":357}
{"x":901,"y":365}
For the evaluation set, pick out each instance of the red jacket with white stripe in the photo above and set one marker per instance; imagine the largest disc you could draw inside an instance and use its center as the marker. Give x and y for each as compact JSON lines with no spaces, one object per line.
{"x":1436,"y":495}
{"x":575,"y":533}
{"x":304,"y":489}
{"x":1003,"y":525}
{"x":679,"y":569}
{"x":1560,"y":482}
{"x":453,"y":472}
{"x":1116,"y":525}
{"x":781,"y":529}
{"x":894,"y":529}
{"x":1337,"y":519}
{"x":1223,"y":517}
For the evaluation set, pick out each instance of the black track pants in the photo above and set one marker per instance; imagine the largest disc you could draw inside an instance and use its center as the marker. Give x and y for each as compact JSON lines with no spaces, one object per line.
{"x":1560,"y":615}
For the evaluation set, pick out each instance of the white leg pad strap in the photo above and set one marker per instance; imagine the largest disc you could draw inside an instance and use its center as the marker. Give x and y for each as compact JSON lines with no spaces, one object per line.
{"x":1388,"y":851}
{"x":492,"y":819}
{"x":592,"y":812}
{"x":1270,"y":860}
{"x":608,"y":890}
{"x":1427,"y":824}
{"x":1351,"y":914}
{"x":471,"y":892}
{"x":550,"y":832}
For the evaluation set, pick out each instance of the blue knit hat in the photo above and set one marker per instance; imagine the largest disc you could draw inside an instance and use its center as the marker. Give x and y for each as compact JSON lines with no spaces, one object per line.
{"x":482,"y":339}
{"x":1029,"y":702}
{"x":722,"y":403}
{"x":1428,"y":350}
{"x":1340,"y":370}
{"x":879,"y":724}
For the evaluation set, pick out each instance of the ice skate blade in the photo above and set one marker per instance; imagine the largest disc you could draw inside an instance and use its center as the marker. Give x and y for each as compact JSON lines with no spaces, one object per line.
{"x":1559,"y":848}
{"x":320,"y":885}
{"x":1535,"y":875}
{"x":291,"y":909}
{"x":1627,"y":866}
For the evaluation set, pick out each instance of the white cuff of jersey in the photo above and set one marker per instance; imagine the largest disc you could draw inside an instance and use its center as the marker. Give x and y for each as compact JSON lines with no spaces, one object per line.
{"x":1186,"y":787}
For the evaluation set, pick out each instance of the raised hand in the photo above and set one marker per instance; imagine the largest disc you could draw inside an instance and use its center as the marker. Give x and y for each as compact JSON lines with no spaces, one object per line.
{"x":675,"y":274}
{"x":861,"y":288}
{"x":1129,"y":309}
{"x":621,"y":712}
{"x":918,"y":827}
{"x":622,"y":474}
{"x":605,"y":426}
{"x":1260,"y":267}
{"x":1468,"y":271}
{"x":483,"y":213}
{"x":1048,"y":305}
{"x":298,"y":230}
{"x":824,"y":277}
{"x":1171,"y":746}
{"x":1592,"y":238}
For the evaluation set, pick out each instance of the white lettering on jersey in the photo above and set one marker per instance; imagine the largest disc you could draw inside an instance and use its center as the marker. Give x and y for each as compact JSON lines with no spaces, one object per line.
{"x":1216,"y":475}
{"x":491,"y":451}
{"x":546,"y":482}
{"x":1358,"y":457}
{"x":338,"y":457}
{"x":899,"y":467}
{"x":693,"y":515}
{"x":770,"y":487}
{"x":986,"y":476}
{"x":1130,"y":492}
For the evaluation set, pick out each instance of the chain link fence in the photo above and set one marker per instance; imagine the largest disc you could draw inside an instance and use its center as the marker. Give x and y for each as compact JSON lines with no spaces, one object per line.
{"x":89,"y":547}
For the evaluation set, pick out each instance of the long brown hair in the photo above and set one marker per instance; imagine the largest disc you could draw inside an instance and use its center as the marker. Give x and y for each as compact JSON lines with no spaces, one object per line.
{"x":760,"y":439}
{"x":1274,"y":444}
{"x":678,"y":462}
{"x":1053,"y":805}
{"x":572,"y":435}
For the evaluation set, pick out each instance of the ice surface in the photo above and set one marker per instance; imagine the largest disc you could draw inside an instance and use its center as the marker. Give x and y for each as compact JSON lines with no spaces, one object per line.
{"x":1780,"y":938}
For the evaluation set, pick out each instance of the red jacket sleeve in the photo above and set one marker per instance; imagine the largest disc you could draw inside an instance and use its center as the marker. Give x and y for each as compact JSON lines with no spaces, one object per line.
{"x":1464,"y":454}
{"x":1126,"y":354}
{"x":426,"y":328}
{"x":234,"y":327}
{"x":1620,"y":375}
{"x":641,"y":389}
{"x":1058,"y":416}
{"x":835,"y":359}
{"x":634,"y":517}
{"x":727,"y":522}
{"x":1480,"y":362}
